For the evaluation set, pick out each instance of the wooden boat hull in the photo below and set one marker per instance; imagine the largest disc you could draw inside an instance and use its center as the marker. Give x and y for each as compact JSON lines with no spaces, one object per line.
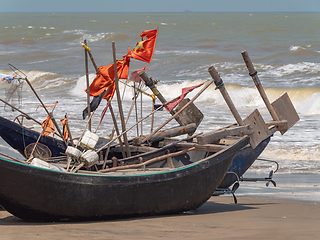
{"x":37,"y":194}
{"x":19,"y":137}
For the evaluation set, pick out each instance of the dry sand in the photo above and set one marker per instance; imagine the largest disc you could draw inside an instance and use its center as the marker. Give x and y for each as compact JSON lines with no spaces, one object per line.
{"x":219,"y":218}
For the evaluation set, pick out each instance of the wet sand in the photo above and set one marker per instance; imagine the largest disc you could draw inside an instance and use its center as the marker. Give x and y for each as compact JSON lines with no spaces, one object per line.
{"x":219,"y":218}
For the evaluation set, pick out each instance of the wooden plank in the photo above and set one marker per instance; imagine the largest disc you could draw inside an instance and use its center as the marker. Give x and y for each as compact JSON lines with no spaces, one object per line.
{"x":285,"y":110}
{"x":228,"y":141}
{"x":260,"y":129}
{"x":173,"y":132}
{"x":198,"y":147}
{"x":215,"y":136}
{"x":191,"y":114}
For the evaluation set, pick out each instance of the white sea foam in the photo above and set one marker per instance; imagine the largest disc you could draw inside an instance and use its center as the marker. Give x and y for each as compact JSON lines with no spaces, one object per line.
{"x":296,"y":48}
{"x":289,"y":69}
{"x":189,"y":52}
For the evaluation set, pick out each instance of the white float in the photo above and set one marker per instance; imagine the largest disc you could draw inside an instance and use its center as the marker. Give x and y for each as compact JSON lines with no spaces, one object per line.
{"x":89,"y":140}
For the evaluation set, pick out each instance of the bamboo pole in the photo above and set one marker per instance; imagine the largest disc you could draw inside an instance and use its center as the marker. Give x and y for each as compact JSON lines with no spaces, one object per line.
{"x":141,"y":126}
{"x":254,"y":74}
{"x":119,"y":100}
{"x":180,"y":110}
{"x":156,"y":159}
{"x":84,"y":129}
{"x":152,"y":116}
{"x":69,"y":133}
{"x":87,"y":80}
{"x":220,"y":85}
{"x":13,"y":159}
{"x":117,"y":130}
{"x":135,"y":106}
{"x":127,"y":130}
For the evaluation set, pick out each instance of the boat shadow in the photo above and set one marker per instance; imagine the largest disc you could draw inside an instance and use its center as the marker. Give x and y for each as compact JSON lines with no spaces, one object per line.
{"x":210,"y":207}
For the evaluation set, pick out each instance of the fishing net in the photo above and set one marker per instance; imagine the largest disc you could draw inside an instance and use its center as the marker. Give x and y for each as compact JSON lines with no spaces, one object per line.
{"x":13,"y":94}
{"x":37,"y":150}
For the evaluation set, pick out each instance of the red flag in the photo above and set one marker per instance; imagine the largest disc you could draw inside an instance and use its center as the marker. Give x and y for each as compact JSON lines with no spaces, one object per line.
{"x":134,"y":76}
{"x":172,"y":104}
{"x":48,"y":126}
{"x":145,"y":48}
{"x":65,"y":129}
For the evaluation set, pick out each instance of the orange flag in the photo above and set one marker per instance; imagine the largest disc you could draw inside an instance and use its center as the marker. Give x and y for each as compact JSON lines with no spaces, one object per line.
{"x":103,"y":81}
{"x":65,"y":129}
{"x":48,"y":126}
{"x":145,"y":48}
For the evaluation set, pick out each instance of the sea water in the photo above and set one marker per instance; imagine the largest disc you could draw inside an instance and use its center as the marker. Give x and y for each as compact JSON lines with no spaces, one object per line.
{"x":284,"y":49}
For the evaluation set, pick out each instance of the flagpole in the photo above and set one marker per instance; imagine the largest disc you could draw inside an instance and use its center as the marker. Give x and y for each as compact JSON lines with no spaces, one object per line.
{"x":135,"y":106}
{"x":119,"y":100}
{"x":87,"y":80}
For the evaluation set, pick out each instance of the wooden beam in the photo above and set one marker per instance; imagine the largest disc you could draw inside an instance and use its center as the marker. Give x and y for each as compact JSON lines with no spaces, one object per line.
{"x":198,"y":147}
{"x":215,"y":136}
{"x":280,"y":125}
{"x":173,"y":132}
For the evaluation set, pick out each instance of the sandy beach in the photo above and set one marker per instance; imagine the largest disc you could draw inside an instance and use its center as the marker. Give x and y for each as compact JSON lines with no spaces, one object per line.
{"x":219,"y":218}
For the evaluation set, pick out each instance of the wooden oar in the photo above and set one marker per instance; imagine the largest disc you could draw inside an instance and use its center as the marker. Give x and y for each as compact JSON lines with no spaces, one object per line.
{"x":220,"y":85}
{"x":255,"y":120}
{"x":254,"y":74}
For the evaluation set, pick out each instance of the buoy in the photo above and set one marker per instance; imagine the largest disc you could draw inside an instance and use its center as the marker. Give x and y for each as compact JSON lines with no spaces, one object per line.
{"x":89,"y":140}
{"x":36,"y":162}
{"x":89,"y":158}
{"x":73,"y":152}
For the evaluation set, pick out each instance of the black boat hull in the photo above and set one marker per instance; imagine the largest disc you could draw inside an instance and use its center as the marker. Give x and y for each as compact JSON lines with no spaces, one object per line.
{"x":37,"y":194}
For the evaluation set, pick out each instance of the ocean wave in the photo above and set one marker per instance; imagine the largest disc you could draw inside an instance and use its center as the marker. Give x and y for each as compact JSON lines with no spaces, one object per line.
{"x":177,"y":52}
{"x":80,"y":35}
{"x":296,"y":48}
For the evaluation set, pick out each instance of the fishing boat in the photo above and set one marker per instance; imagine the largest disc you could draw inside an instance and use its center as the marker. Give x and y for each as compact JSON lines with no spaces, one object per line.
{"x":38,"y":194}
{"x":19,"y":137}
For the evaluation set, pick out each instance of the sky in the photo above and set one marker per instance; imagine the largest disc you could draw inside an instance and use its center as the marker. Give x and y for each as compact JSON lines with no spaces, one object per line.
{"x":160,"y":5}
